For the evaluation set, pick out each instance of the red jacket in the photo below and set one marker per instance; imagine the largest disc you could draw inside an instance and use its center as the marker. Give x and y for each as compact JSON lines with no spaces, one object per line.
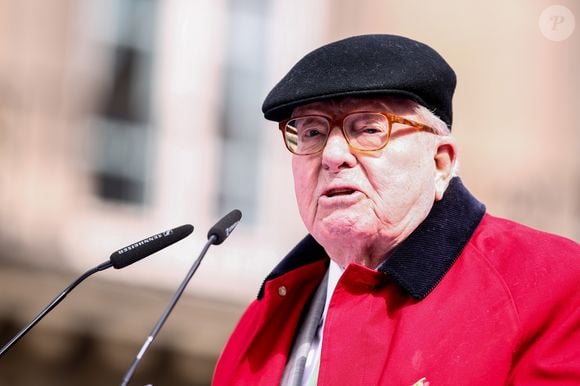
{"x":467,"y":299}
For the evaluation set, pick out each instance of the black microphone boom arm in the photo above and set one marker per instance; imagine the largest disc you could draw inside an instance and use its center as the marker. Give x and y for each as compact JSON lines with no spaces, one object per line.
{"x":53,"y":304}
{"x":119,"y":259}
{"x":217,"y":234}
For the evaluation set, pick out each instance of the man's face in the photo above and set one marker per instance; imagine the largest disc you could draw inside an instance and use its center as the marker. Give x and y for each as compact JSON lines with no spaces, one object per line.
{"x":373,"y":198}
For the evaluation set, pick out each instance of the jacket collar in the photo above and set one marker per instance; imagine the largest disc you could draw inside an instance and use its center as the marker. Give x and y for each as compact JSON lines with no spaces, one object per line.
{"x":419,"y":263}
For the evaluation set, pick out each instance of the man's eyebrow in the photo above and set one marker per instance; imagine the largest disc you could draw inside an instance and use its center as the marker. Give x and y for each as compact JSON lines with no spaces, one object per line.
{"x":309,"y":118}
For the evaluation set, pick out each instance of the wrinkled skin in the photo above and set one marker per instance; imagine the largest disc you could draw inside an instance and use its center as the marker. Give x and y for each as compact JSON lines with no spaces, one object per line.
{"x":360,"y":205}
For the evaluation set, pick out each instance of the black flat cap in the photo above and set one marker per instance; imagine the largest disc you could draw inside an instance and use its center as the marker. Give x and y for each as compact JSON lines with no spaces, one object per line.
{"x":366,"y":66}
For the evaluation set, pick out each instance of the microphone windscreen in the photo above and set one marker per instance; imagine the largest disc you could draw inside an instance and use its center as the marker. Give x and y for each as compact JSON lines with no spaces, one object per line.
{"x":137,"y":251}
{"x":222,"y":229}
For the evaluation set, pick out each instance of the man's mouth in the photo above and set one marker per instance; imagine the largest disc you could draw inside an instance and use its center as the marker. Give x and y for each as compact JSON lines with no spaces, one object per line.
{"x":339,"y":192}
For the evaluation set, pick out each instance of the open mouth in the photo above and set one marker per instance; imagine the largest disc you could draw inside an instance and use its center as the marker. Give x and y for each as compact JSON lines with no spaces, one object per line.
{"x":339,"y":192}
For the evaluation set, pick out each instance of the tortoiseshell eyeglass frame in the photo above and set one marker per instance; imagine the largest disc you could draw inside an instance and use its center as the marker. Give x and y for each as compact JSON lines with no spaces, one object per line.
{"x":391,"y":118}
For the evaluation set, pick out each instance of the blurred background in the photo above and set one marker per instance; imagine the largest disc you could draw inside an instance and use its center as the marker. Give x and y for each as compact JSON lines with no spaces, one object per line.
{"x":123,"y":118}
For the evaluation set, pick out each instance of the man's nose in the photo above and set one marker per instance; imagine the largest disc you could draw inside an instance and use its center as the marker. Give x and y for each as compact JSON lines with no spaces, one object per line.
{"x":337,"y":153}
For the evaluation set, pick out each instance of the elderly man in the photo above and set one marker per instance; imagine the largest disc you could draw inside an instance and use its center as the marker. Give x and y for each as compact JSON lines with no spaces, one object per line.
{"x":404,"y":278}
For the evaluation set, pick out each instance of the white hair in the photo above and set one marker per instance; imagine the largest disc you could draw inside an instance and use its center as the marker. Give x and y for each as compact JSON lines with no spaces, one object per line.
{"x":429,"y":118}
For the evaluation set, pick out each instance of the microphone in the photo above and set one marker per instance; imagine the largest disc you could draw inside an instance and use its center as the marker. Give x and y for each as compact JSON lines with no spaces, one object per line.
{"x":222,"y":229}
{"x":141,"y":249}
{"x":119,"y":259}
{"x":216,"y":235}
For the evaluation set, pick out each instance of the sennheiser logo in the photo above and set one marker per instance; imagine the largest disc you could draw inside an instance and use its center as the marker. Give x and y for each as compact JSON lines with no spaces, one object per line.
{"x":144,"y":241}
{"x":231,"y":228}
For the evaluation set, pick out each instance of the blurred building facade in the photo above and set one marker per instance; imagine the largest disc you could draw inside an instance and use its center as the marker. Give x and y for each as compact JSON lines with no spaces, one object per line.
{"x":119,"y":119}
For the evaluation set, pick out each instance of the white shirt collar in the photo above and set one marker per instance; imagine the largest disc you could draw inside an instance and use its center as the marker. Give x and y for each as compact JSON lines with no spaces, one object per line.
{"x":335,"y":271}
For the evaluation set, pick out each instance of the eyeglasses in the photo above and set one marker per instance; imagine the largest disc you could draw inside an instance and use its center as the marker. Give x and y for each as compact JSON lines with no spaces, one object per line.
{"x":364,"y":131}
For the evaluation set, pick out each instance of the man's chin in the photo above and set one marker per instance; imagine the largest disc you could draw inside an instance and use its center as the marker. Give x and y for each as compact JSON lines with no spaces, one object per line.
{"x":341,"y":229}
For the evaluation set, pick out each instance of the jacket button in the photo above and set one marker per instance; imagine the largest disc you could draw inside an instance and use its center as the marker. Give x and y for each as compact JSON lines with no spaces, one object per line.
{"x":282,"y":290}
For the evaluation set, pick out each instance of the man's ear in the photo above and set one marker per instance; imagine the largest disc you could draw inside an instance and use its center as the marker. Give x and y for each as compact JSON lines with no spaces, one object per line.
{"x":445,"y":159}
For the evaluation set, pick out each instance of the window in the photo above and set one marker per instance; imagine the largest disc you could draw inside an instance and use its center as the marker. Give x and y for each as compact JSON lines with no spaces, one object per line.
{"x":122,"y":125}
{"x":241,"y":116}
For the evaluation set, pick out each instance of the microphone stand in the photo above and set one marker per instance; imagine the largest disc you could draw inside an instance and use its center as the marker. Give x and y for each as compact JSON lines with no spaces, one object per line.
{"x":129,"y":374}
{"x":53,"y":304}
